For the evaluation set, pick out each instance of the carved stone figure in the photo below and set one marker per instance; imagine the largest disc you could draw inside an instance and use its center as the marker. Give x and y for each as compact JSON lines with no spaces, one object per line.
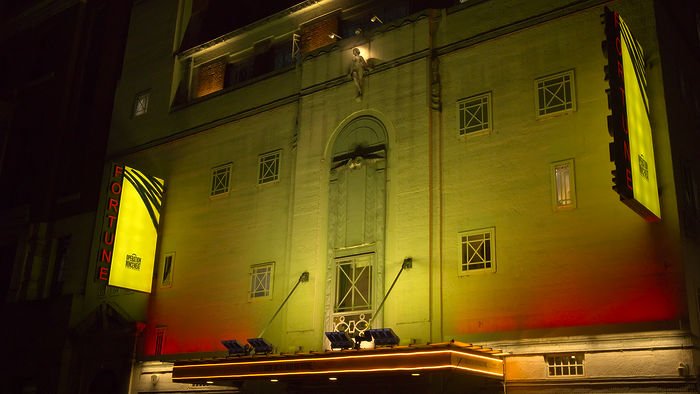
{"x":357,"y":70}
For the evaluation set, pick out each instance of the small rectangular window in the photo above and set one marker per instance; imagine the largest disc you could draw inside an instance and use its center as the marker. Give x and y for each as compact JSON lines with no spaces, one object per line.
{"x":167,"y":274}
{"x":477,"y":251}
{"x":261,"y":280}
{"x":220,"y":180}
{"x":160,"y":341}
{"x":268,"y":167}
{"x":141,"y":103}
{"x":555,"y":94}
{"x":59,"y":267}
{"x":564,"y":365}
{"x":563,"y":185}
{"x":474,"y":114}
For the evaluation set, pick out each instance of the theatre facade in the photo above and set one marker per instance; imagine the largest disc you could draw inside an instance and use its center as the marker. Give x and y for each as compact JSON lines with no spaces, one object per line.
{"x":402,"y":196}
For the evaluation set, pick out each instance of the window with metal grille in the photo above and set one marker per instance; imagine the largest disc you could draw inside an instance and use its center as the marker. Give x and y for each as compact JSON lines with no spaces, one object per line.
{"x":261,"y":280}
{"x":141,"y":103}
{"x":474,"y":114}
{"x":563,"y":185}
{"x":477,"y":252}
{"x":268,"y":167}
{"x":555,"y":93}
{"x":565,"y":364}
{"x":353,"y":283}
{"x":220,"y":180}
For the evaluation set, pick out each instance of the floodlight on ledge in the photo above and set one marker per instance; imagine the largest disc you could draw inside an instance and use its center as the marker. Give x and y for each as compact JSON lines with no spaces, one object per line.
{"x":260,"y":346}
{"x":235,"y":348}
{"x":334,"y":36}
{"x":340,"y":340}
{"x":383,"y":336}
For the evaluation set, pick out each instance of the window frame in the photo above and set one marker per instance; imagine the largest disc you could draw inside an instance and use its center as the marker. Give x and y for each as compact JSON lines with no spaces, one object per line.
{"x":491,"y":231}
{"x":368,"y":260}
{"x":572,"y":82}
{"x":555,"y":186}
{"x":262,"y":160}
{"x":487,"y":98}
{"x":159,"y":340}
{"x":229,"y":168}
{"x":142,"y":94}
{"x":563,"y":356}
{"x":252,"y":274}
{"x":162,"y":281}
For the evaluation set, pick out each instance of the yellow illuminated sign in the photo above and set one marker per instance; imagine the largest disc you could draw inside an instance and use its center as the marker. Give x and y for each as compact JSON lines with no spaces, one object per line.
{"x":632,"y":148}
{"x":133,"y":256}
{"x":641,"y":146}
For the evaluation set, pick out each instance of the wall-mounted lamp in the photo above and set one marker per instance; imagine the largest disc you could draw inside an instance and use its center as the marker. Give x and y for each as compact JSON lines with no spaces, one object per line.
{"x":335,"y":36}
{"x":376,"y":19}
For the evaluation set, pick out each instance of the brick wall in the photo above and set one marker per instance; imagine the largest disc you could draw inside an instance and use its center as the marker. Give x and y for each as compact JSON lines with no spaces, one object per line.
{"x":211,"y":78}
{"x":316,"y":35}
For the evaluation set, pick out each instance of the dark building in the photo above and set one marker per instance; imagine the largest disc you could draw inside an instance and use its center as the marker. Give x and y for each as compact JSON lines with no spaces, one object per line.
{"x":61,"y":62}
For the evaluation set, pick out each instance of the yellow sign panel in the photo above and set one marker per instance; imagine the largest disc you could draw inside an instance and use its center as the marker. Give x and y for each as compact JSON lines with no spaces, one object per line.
{"x":641,"y":147}
{"x":134,"y":253}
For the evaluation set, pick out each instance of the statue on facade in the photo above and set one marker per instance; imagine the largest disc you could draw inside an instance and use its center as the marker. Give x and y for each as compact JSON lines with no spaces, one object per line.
{"x":357,"y":71}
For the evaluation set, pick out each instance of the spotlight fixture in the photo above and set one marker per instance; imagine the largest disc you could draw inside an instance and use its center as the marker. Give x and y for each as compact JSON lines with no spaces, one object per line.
{"x":340,"y":340}
{"x":260,"y":346}
{"x":384,"y":336}
{"x":376,"y":19}
{"x":235,"y":348}
{"x":332,"y":378}
{"x":334,"y":36}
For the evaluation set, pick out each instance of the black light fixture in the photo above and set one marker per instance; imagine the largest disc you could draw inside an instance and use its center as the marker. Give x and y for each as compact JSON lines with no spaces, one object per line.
{"x":235,"y":348}
{"x":340,"y":340}
{"x":383,"y":336}
{"x":376,"y":19}
{"x":260,"y":346}
{"x":334,"y":36}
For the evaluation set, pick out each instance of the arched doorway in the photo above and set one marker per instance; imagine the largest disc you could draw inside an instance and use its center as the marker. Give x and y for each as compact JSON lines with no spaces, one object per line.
{"x":356,"y":224}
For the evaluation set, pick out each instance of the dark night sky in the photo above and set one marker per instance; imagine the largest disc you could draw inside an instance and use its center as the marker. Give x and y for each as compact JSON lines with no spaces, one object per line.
{"x":222,"y":16}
